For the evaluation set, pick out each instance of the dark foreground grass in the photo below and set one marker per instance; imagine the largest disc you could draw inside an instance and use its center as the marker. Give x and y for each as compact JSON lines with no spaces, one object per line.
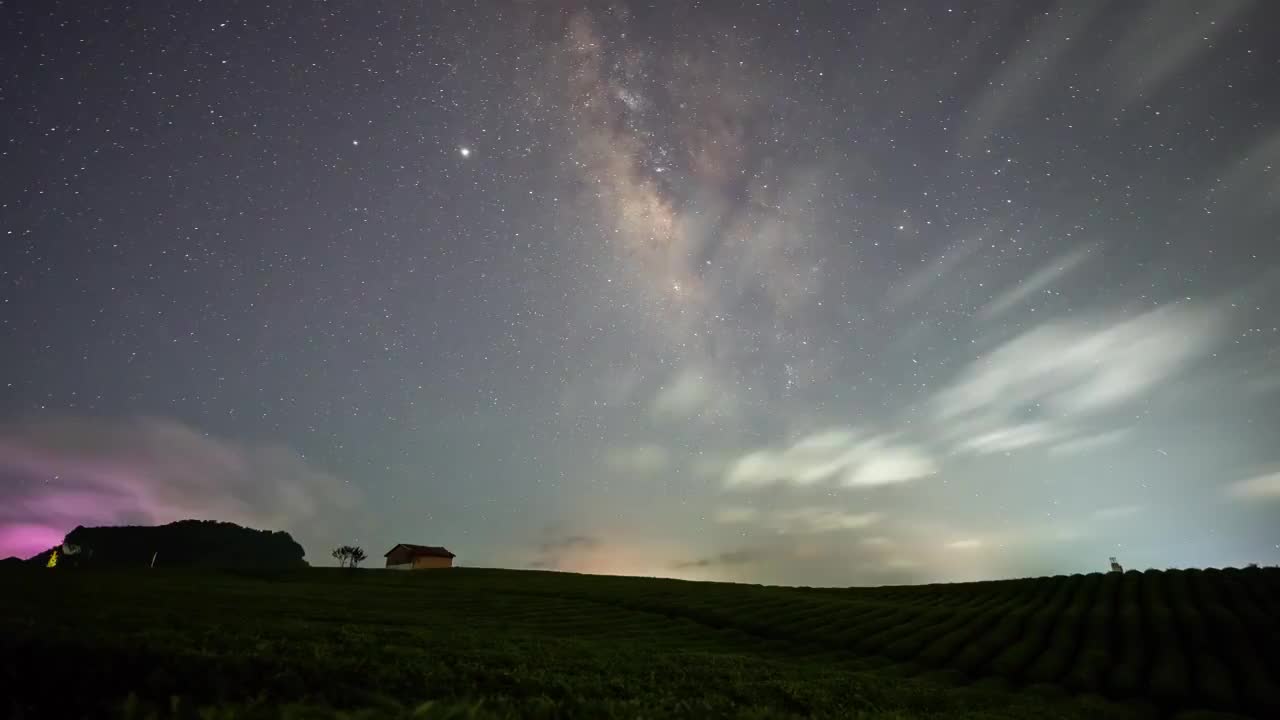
{"x":507,"y":644}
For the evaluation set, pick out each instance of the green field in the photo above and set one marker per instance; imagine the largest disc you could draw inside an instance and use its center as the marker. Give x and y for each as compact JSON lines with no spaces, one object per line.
{"x":494,"y":643}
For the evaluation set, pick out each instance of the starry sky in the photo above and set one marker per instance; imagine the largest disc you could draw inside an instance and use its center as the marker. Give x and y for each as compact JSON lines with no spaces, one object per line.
{"x":820,"y":293}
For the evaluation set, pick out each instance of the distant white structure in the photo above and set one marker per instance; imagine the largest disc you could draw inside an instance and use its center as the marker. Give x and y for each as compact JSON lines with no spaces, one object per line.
{"x":1115,"y":566}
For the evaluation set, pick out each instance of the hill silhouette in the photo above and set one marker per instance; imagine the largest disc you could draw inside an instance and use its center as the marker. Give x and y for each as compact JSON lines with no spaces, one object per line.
{"x":185,"y":543}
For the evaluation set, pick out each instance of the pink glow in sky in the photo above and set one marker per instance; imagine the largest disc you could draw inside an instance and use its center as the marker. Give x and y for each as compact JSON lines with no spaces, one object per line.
{"x":63,"y":473}
{"x":25,"y":540}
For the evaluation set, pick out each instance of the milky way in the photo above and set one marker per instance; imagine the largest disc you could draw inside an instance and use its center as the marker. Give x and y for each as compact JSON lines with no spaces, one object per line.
{"x":804,"y":293}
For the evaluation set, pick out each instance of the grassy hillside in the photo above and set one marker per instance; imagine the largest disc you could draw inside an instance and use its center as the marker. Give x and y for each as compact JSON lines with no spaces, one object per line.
{"x":491,"y":643}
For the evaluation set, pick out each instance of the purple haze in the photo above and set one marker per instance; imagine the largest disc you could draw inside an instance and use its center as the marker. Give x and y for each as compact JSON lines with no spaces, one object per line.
{"x":58,"y":474}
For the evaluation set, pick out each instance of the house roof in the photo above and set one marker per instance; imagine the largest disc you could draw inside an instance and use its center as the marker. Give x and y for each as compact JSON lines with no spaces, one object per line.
{"x":420,"y":550}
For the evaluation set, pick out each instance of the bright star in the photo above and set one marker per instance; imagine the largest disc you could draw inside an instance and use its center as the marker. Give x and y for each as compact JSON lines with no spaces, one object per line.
{"x":464,"y":151}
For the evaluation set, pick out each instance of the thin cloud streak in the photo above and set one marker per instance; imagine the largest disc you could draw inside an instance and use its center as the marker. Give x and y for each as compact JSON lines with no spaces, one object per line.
{"x":1040,"y":280}
{"x":842,"y":455}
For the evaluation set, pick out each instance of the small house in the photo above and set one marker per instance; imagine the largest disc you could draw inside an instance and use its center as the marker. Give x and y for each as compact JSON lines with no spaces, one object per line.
{"x":418,"y":557}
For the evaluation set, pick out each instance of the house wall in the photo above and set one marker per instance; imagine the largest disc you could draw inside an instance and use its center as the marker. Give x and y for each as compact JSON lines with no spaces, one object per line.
{"x":400,"y":556}
{"x":428,"y":563}
{"x":400,"y":566}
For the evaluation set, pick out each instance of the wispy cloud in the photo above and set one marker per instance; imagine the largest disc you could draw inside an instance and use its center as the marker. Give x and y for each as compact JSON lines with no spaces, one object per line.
{"x":965,"y":544}
{"x":1019,"y":79}
{"x":1262,"y":486}
{"x":553,"y":551}
{"x":733,"y":557}
{"x":840,"y":454}
{"x":1010,"y":438}
{"x":1117,"y":512}
{"x":934,"y":272}
{"x":1040,"y":280}
{"x":569,"y":542}
{"x":1089,"y":443}
{"x":640,"y":459}
{"x":800,"y":520}
{"x":821,"y":520}
{"x":709,"y":464}
{"x":812,"y":459}
{"x":736,"y":515}
{"x":692,"y":392}
{"x":1161,"y":45}
{"x":1064,"y":372}
{"x":881,"y":462}
{"x":1252,"y":185}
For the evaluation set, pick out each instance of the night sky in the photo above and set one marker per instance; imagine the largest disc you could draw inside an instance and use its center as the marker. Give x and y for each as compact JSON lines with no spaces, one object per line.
{"x":812,"y":293}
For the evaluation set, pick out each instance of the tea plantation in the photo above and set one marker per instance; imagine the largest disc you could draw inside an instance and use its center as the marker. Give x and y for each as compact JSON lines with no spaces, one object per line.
{"x":471,"y":643}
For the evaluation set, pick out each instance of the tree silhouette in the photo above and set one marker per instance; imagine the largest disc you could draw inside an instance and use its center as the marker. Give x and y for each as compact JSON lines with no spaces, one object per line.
{"x":186,"y":543}
{"x":349,"y":555}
